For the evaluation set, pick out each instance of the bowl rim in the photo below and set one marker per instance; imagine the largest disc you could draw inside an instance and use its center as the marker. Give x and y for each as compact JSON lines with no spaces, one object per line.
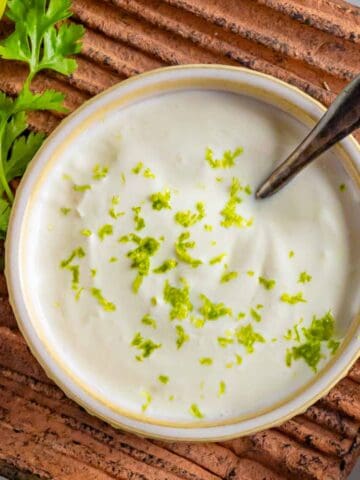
{"x":197,"y":431}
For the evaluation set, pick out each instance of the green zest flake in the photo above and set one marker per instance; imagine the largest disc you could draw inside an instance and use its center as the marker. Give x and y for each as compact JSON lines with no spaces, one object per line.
{"x":267,"y":283}
{"x":67,"y":177}
{"x":255,"y":315}
{"x":219,"y":179}
{"x":217,"y":259}
{"x":139,"y":221}
{"x":166,"y":266}
{"x":342,"y":187}
{"x":171,"y":398}
{"x":86,"y":232}
{"x":195,"y":411}
{"x":123,"y":178}
{"x":304,"y":277}
{"x":238,"y":358}
{"x":148,"y":173}
{"x":93,"y":272}
{"x":182,"y":245}
{"x":149,"y":321}
{"x":333,"y":345}
{"x":148,"y":400}
{"x":77,"y":253}
{"x":161,"y":200}
{"x":137,"y":169}
{"x":113,"y":259}
{"x":188,"y":218}
{"x":145,"y":345}
{"x":105,"y":304}
{"x":163,"y":379}
{"x":140,"y":256}
{"x":230,"y":217}
{"x":213,"y":311}
{"x":208,"y":228}
{"x":105,"y":230}
{"x":198,"y":322}
{"x":320,"y":331}
{"x":153,"y":301}
{"x":250,"y":273}
{"x":247,"y":337}
{"x":228,"y":276}
{"x":179,"y":299}
{"x":224,"y":341}
{"x":114,"y":214}
{"x":65,"y":210}
{"x":222,"y":388}
{"x":115,"y":200}
{"x":241,"y":315}
{"x":99,"y":172}
{"x":293,"y":299}
{"x":206,"y":361}
{"x":259,"y":306}
{"x":227,"y":160}
{"x":181,"y":336}
{"x":81,"y":188}
{"x":248,"y":190}
{"x":291,"y":254}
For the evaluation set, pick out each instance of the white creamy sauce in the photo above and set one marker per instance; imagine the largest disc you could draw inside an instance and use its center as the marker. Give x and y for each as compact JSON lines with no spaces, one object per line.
{"x":170,"y":135}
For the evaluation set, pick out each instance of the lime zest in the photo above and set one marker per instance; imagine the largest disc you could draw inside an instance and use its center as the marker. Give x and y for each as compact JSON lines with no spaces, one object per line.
{"x":304,"y":277}
{"x":207,"y":361}
{"x":181,"y":336}
{"x":255,"y":315}
{"x":195,"y":411}
{"x":321,"y":331}
{"x":228,"y":276}
{"x":182,"y":245}
{"x":140,"y":256}
{"x":99,"y":172}
{"x":217,"y":259}
{"x":163,"y":379}
{"x":222,"y":388}
{"x":293,"y":299}
{"x":137,"y":169}
{"x":65,"y":210}
{"x":179,"y":299}
{"x":148,"y":400}
{"x":149,"y":321}
{"x":247,"y":337}
{"x":187,"y":218}
{"x":161,"y":200}
{"x":230,"y":217}
{"x":166,"y":266}
{"x":267,"y":283}
{"x":101,"y":300}
{"x":145,"y":345}
{"x":104,"y":231}
{"x":85,"y":232}
{"x":139,"y":221}
{"x":81,"y":188}
{"x":227,"y":160}
{"x":213,"y":311}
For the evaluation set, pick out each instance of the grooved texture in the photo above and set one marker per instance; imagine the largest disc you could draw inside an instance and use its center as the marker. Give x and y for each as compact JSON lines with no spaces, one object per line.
{"x":314,"y":45}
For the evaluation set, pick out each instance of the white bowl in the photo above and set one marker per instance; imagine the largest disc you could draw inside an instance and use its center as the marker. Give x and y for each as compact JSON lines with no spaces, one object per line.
{"x":241,"y":81}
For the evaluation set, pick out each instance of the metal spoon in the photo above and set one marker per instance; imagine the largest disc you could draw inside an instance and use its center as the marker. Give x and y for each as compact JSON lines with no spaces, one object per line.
{"x":342,"y":118}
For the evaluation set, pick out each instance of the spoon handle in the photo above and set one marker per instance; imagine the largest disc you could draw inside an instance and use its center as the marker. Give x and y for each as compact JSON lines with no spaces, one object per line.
{"x":342,"y":118}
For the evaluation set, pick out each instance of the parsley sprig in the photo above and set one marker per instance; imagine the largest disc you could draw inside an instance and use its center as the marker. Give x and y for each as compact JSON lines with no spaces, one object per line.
{"x":40,"y":41}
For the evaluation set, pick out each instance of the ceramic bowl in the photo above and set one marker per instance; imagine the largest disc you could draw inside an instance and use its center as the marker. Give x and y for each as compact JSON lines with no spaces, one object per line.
{"x":240,"y":81}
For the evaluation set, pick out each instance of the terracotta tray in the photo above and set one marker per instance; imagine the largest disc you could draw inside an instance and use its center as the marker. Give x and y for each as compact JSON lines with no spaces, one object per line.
{"x":314,"y":45}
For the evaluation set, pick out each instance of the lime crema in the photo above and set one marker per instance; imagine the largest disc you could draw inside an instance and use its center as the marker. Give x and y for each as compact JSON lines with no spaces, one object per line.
{"x":167,"y":289}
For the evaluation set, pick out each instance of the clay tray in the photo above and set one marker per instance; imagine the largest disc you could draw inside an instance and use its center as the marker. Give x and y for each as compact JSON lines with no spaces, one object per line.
{"x":314,"y":45}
